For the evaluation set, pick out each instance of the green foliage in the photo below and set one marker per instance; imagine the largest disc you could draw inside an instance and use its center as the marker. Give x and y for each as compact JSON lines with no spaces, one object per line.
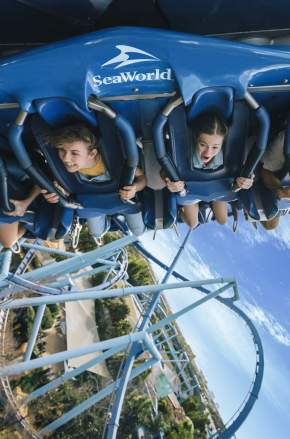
{"x":173,"y":427}
{"x":194,"y":409}
{"x":47,"y":320}
{"x":110,"y":237}
{"x":86,"y":242}
{"x":39,"y":349}
{"x":32,"y":380}
{"x":180,"y":430}
{"x":118,"y":309}
{"x":88,"y":425}
{"x":113,"y":364}
{"x":55,"y":309}
{"x":97,"y":279}
{"x":58,"y":258}
{"x":139,"y":272}
{"x":122,"y":327}
{"x":104,"y":329}
{"x":137,"y":412}
{"x":55,"y":403}
{"x":22,"y":323}
{"x":111,"y":318}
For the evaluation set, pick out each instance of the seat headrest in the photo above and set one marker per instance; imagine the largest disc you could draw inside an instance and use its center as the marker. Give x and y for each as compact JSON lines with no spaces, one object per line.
{"x":110,"y":151}
{"x":180,"y":146}
{"x":58,"y":112}
{"x":212,"y":99}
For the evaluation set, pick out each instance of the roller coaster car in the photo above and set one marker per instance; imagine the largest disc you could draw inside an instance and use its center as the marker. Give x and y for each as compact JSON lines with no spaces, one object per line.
{"x":90,"y":198}
{"x":152,"y":88}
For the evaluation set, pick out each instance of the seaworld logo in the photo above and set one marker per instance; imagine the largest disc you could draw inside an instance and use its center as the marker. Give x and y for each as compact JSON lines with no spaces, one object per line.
{"x":125,"y":57}
{"x":155,"y":75}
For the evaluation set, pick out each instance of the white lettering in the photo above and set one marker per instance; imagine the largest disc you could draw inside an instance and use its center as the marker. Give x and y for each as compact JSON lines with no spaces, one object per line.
{"x":166,"y":74}
{"x":117,"y":79}
{"x":97,"y":80}
{"x":150,"y":76}
{"x":140,"y":77}
{"x":107,"y":80}
{"x":128,"y":76}
{"x":155,"y":75}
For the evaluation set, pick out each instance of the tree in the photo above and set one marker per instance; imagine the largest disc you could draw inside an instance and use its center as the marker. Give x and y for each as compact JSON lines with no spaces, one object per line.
{"x":110,"y":237}
{"x":137,"y":412}
{"x":122,"y":327}
{"x":28,"y":319}
{"x":47,"y":320}
{"x":97,"y":279}
{"x":180,"y":430}
{"x":23,"y":322}
{"x":139,"y":272}
{"x":32,"y":380}
{"x":54,"y":309}
{"x":86,"y":243}
{"x":118,"y":309}
{"x":195,"y":411}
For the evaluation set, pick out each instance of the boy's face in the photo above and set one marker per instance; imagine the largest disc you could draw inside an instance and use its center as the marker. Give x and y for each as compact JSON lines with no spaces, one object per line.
{"x":77,"y":155}
{"x":208,"y":146}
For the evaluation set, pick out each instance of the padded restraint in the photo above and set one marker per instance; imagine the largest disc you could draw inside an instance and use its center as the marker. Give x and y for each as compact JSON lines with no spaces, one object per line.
{"x":180,"y":145}
{"x":14,"y":183}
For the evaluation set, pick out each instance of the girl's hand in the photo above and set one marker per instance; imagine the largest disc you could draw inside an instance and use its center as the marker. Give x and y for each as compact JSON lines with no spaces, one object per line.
{"x":20,"y":208}
{"x":244,"y":183}
{"x":174,"y":186}
{"x":128,"y":192}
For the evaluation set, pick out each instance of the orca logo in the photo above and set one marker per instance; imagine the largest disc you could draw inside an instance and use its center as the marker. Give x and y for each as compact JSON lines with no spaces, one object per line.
{"x":124,"y":57}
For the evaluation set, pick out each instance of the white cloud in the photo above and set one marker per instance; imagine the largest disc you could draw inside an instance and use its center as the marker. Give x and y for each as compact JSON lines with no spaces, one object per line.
{"x":268,"y":322}
{"x":252,"y":236}
{"x":279,"y":237}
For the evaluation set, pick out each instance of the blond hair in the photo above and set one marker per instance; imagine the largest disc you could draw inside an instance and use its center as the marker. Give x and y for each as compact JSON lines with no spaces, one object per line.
{"x":74,"y":133}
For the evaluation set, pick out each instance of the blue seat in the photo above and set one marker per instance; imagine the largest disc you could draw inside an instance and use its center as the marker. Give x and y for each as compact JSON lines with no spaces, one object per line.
{"x":118,"y":149}
{"x":159,"y":209}
{"x":174,"y":146}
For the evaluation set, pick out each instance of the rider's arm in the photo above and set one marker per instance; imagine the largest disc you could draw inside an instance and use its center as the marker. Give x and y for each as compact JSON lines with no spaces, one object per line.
{"x":22,"y":205}
{"x":129,"y":192}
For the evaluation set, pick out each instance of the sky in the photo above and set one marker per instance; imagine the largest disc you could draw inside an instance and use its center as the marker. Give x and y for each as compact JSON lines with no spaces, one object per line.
{"x":223,"y":345}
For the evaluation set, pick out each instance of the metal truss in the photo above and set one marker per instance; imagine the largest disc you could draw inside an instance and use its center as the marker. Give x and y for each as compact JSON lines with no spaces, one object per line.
{"x":55,"y":283}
